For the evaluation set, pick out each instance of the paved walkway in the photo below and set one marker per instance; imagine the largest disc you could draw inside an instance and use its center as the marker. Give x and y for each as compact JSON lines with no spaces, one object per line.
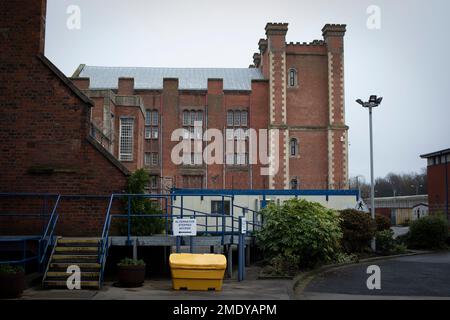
{"x":161,"y":289}
{"x":412,"y":277}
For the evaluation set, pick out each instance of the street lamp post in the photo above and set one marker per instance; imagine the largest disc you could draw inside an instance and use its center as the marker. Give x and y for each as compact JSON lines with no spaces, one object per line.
{"x":373,"y":102}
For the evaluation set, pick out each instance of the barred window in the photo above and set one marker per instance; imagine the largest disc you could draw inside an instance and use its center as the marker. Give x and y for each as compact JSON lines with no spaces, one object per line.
{"x":230,"y":121}
{"x":294,"y":147}
{"x":155,"y":159}
{"x":148,"y":132}
{"x":151,"y":159}
{"x":154,"y":132}
{"x":292,"y":78}
{"x":237,"y":118}
{"x":126,"y":139}
{"x":193,"y":117}
{"x":186,"y":118}
{"x":200,"y":116}
{"x":155,"y":118}
{"x":151,"y":124}
{"x":148,"y":117}
{"x":244,"y":118}
{"x":193,"y":130}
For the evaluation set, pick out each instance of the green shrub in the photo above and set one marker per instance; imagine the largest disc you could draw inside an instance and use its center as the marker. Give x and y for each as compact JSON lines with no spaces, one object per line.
{"x":382,"y":222}
{"x":385,"y":241}
{"x":358,"y":229}
{"x":9,"y":269}
{"x":301,"y":233}
{"x":430,"y":232}
{"x":386,"y":244}
{"x":131,"y":262}
{"x":343,"y":257}
{"x":141,"y":226}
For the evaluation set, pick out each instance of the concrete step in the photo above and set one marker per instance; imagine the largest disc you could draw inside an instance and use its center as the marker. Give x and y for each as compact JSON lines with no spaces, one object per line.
{"x":62,"y":284}
{"x":78,"y":240}
{"x":59,"y":274}
{"x":74,"y":258}
{"x":59,"y":249}
{"x":82,"y":265}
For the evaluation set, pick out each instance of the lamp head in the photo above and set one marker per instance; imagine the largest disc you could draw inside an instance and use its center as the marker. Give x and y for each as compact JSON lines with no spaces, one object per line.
{"x":373,"y":99}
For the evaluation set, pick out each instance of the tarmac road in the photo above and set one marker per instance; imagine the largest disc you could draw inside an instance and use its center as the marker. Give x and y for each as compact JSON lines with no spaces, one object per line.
{"x":412,"y":277}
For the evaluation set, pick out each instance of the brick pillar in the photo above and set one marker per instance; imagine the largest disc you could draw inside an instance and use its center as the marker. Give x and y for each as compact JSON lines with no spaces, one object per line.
{"x":214,"y":115}
{"x":337,"y":130}
{"x":170,"y":113}
{"x":276,"y":46}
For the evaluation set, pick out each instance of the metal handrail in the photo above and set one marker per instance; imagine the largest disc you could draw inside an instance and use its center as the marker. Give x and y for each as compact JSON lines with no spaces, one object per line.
{"x":103,"y":243}
{"x":53,"y":217}
{"x":48,"y":232}
{"x":183,"y":212}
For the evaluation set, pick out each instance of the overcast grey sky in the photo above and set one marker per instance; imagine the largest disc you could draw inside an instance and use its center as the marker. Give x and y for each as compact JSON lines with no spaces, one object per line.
{"x":406,"y":61}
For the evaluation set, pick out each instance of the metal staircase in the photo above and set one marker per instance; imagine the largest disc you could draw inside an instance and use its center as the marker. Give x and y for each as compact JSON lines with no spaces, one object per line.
{"x":81,"y":252}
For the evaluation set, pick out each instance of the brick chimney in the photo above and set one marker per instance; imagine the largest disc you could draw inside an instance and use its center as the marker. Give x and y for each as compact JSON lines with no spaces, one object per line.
{"x":22,"y":28}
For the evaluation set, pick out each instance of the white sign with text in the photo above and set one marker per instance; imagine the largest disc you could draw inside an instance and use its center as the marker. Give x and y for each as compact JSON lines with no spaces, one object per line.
{"x":244,"y":226}
{"x":185,"y":227}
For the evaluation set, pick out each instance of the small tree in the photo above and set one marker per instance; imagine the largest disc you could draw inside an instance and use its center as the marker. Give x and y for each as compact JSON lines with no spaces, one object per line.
{"x":299,"y":234}
{"x":141,"y":226}
{"x":430,"y":232}
{"x":358,"y":229}
{"x":382,"y":222}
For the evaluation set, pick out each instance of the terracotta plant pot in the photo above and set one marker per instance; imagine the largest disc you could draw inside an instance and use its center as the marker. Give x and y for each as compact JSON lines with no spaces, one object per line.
{"x":12,"y":285}
{"x":131,"y":276}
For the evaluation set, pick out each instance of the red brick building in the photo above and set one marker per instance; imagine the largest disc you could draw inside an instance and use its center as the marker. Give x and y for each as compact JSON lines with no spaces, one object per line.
{"x":296,"y":88}
{"x":45,"y":127}
{"x":438,"y":175}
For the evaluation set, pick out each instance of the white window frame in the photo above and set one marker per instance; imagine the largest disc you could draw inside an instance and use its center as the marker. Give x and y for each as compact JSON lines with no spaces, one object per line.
{"x":126,"y":156}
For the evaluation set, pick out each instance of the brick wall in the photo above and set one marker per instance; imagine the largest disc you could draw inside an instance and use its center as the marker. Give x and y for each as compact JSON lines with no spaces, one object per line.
{"x":45,"y":121}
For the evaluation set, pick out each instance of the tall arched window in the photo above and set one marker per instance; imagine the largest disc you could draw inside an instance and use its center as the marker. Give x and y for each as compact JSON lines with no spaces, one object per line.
{"x":293,"y":146}
{"x":292,"y":77}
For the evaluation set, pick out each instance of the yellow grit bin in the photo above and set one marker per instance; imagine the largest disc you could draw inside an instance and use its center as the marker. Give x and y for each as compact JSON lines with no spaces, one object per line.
{"x":197,"y":272}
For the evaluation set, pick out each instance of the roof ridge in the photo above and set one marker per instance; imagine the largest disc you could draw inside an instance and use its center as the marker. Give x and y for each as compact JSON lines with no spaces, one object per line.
{"x":185,"y":68}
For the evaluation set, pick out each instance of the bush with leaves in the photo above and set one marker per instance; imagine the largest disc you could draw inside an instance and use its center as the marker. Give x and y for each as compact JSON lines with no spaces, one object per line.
{"x":10,"y":269}
{"x":358,"y":229}
{"x":125,"y":262}
{"x":382,"y":222}
{"x":386,"y":244}
{"x":430,"y":232}
{"x":141,"y":226}
{"x":299,"y":234}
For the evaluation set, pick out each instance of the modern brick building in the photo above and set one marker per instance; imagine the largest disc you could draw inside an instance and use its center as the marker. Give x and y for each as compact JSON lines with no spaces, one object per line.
{"x":438,"y":175}
{"x":297,"y":88}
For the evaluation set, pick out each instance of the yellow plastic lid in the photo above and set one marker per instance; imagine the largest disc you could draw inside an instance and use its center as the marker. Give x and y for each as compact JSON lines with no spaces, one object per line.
{"x":197,"y":261}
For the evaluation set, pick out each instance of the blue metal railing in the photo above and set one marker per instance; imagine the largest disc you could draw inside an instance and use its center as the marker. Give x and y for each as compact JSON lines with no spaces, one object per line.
{"x":225,"y":224}
{"x":48,"y":239}
{"x":45,"y":241}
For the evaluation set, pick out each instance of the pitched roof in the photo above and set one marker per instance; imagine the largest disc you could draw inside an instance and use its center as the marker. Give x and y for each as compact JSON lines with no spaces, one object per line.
{"x":238,"y":79}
